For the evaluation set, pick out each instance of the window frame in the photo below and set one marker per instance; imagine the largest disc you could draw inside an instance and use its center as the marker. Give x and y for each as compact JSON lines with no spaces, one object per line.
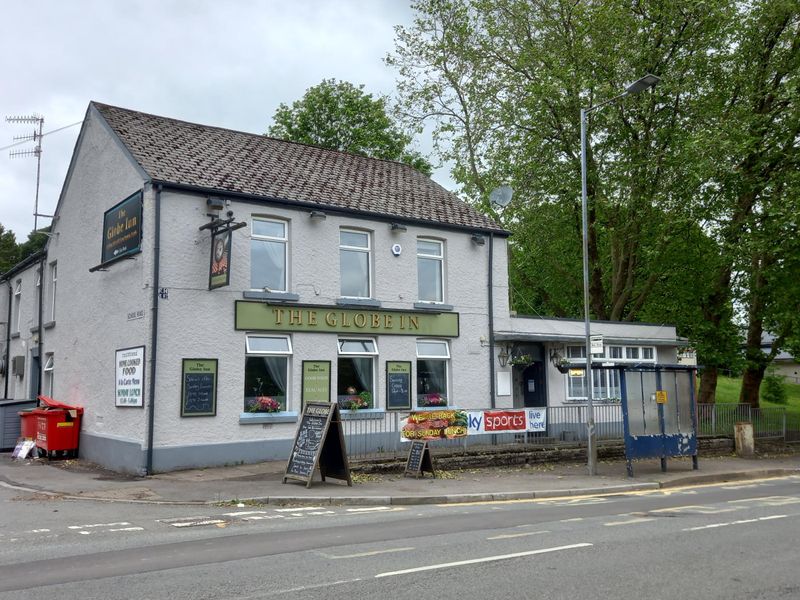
{"x":54,"y":284}
{"x":430,"y":357}
{"x":18,"y":308}
{"x":48,"y":371}
{"x":370,"y":354}
{"x":440,"y":258}
{"x":288,"y":354}
{"x":271,"y":239}
{"x":608,"y":377}
{"x":367,"y":251}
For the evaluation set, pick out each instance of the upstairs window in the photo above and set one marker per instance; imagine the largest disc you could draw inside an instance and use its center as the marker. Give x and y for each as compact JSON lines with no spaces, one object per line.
{"x":16,"y":314}
{"x":430,"y":270}
{"x":268,"y":255}
{"x":354,"y":263}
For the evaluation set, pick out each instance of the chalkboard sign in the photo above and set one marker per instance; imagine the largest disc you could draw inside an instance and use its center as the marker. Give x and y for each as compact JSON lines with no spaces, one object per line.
{"x":199,"y":387}
{"x":316,"y":444}
{"x":419,"y":460}
{"x":398,"y":385}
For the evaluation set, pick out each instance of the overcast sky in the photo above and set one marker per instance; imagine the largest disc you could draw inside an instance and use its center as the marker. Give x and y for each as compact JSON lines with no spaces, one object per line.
{"x":224,"y":63}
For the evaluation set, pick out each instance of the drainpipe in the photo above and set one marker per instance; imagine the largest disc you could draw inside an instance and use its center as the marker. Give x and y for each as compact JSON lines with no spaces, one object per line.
{"x":491,"y":318}
{"x":154,"y":332}
{"x":40,"y":330}
{"x":8,"y":338}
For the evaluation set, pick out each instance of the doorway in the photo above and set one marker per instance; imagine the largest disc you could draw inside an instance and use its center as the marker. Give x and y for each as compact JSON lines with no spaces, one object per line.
{"x":534,"y":390}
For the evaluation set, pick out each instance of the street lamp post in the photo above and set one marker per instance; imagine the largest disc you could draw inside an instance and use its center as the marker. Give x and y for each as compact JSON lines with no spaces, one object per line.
{"x":636,"y":87}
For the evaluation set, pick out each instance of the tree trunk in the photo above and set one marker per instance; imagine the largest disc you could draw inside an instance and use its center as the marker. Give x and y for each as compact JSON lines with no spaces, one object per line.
{"x":751,"y":382}
{"x":708,"y":386}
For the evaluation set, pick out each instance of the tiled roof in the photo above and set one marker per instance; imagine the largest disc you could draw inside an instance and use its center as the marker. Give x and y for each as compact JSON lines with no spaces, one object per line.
{"x":222,"y":160}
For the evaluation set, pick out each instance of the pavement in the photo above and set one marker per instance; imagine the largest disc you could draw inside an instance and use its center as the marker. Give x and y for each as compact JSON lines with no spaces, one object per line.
{"x":263,"y":482}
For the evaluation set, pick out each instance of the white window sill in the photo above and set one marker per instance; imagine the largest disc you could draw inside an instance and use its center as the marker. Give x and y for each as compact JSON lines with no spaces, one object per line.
{"x":247,"y":418}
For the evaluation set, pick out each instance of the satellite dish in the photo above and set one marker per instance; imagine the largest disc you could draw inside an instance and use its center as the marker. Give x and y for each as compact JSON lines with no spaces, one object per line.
{"x":501,"y":196}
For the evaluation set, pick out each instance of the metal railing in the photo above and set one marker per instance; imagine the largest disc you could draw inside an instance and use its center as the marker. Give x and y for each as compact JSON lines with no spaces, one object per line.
{"x":377,"y":435}
{"x":768,"y":422}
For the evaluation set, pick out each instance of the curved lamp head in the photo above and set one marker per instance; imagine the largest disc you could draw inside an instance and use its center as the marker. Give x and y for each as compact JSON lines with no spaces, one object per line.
{"x":642,"y":84}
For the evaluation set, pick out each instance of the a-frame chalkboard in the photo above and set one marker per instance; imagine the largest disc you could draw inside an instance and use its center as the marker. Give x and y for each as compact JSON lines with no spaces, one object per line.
{"x":319,"y":443}
{"x":419,"y":460}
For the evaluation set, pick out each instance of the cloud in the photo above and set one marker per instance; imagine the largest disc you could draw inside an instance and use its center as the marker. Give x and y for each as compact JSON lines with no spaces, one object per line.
{"x":227,"y":64}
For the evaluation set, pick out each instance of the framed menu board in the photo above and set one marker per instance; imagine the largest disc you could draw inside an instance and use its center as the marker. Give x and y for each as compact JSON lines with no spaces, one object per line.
{"x":398,"y":385}
{"x":199,"y":387}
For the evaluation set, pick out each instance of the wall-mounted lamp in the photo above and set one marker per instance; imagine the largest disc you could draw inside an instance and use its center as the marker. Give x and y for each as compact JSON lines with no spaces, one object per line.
{"x":215,"y":204}
{"x":478,"y":239}
{"x":318,"y":215}
{"x":484,"y":342}
{"x":398,"y":227}
{"x":503,"y":356}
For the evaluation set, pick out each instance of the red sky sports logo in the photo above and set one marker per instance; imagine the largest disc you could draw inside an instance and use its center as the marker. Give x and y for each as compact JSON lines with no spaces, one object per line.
{"x":504,"y":420}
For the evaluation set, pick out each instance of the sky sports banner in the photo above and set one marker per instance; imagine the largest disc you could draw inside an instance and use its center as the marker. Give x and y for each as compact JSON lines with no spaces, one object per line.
{"x":450,"y":424}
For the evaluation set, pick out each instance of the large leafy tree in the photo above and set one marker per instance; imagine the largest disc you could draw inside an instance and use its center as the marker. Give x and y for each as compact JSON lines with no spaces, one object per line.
{"x":504,"y":82}
{"x":341,"y":116}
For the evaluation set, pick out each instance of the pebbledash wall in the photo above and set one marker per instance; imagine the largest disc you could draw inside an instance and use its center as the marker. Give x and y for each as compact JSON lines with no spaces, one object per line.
{"x":165,"y":285}
{"x":157,"y":298}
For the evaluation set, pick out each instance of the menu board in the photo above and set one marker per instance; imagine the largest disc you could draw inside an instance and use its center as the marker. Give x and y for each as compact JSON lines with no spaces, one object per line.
{"x":199,"y":387}
{"x":316,"y":383}
{"x":398,"y":385}
{"x":419,"y":459}
{"x":319,"y":442}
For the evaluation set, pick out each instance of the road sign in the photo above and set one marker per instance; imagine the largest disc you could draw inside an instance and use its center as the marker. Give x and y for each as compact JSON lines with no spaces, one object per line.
{"x":596,"y":344}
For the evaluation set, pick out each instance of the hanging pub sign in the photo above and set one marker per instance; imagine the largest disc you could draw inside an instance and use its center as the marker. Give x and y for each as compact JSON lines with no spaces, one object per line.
{"x":122,"y":228}
{"x":219,"y":273}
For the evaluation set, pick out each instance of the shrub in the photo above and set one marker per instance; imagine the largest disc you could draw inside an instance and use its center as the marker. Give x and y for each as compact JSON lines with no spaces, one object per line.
{"x":773,"y":389}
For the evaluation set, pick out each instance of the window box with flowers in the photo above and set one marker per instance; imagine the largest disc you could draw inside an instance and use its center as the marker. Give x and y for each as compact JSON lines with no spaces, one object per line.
{"x":431,"y":400}
{"x":266,"y":409}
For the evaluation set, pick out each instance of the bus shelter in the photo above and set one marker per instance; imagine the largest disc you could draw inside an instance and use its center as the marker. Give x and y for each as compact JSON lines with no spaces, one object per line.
{"x":659,"y":410}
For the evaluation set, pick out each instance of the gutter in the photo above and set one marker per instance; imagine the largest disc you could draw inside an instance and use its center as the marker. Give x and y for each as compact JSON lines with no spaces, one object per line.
{"x":40,"y":330}
{"x":154,"y":332}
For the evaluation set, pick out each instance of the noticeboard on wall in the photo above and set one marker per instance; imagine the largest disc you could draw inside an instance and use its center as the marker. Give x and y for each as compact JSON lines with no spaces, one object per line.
{"x":199,"y":387}
{"x":398,"y":385}
{"x":316,"y":384}
{"x":219,"y":273}
{"x":122,"y":229}
{"x":129,"y":382}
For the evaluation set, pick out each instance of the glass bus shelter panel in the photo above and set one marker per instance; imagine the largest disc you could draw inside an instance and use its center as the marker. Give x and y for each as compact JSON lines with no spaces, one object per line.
{"x":685,"y":405}
{"x":649,"y":404}
{"x":669,"y":384}
{"x":635,"y":410}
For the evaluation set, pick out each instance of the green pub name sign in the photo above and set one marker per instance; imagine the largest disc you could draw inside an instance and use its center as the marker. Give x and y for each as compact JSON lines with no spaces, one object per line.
{"x":255,"y":316}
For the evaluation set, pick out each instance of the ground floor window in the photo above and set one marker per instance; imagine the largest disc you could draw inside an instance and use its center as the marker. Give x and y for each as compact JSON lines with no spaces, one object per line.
{"x":605,"y":382}
{"x":433,"y":358}
{"x":355,"y":373}
{"x":266,"y":374}
{"x":49,"y":367}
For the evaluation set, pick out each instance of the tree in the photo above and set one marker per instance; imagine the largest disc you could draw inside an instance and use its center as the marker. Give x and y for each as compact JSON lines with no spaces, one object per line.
{"x":36,"y":241}
{"x":8,"y":249}
{"x":504,"y":82}
{"x":341,"y":116}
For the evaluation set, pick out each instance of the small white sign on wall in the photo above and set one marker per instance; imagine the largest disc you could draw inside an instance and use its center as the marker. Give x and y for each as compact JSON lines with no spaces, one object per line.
{"x":503,"y":383}
{"x":129,"y":384}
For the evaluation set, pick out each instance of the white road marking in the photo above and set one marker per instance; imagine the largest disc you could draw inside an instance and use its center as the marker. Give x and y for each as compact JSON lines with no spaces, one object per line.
{"x":363,"y":554}
{"x":198,"y":523}
{"x":98,"y":525}
{"x":39,"y":531}
{"x":696,"y":508}
{"x":246,"y":512}
{"x":506,"y":536}
{"x":740,"y":522}
{"x":572,"y":520}
{"x":633,"y":521}
{"x":262,"y":517}
{"x":128,"y":529}
{"x":485,"y":559}
{"x":294,"y":510}
{"x":302,"y":588}
{"x":770,"y":500}
{"x":376,"y":509}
